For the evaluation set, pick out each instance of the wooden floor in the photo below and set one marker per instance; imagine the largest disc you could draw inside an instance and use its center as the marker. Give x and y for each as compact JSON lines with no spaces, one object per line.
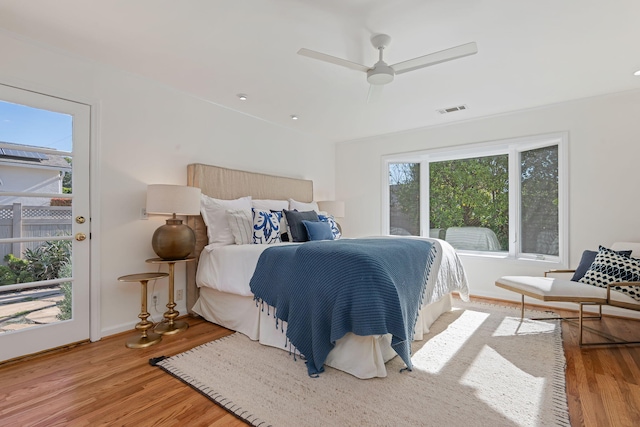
{"x":105,"y":383}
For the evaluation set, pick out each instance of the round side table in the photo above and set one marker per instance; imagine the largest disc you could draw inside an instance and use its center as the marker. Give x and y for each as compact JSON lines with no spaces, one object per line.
{"x":147,"y":338}
{"x":169,"y":325}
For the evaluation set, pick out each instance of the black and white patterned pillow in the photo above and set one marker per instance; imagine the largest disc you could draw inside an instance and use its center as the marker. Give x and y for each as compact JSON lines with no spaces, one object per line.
{"x":608,"y":267}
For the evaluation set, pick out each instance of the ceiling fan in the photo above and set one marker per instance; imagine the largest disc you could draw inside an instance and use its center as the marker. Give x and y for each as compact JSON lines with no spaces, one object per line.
{"x":381,"y":73}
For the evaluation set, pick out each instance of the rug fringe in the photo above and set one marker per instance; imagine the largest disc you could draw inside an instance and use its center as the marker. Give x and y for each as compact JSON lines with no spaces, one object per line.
{"x":561,"y":407}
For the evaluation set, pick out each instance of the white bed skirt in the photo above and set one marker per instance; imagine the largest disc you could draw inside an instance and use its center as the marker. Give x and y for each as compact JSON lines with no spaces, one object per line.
{"x":361,"y":356}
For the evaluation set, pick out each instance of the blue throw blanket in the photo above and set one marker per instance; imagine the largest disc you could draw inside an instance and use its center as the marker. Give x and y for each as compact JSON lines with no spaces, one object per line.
{"x":325,"y":289}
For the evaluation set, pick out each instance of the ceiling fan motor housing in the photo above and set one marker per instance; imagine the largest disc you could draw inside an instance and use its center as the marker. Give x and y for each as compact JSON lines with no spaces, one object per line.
{"x":380,"y":74}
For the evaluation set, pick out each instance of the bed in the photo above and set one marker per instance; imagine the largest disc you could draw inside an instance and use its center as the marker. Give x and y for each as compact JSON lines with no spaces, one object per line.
{"x":218,"y":283}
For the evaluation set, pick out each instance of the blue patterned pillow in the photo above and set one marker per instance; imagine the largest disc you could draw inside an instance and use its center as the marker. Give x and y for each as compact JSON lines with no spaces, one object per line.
{"x":609,"y":266}
{"x":266,"y":227}
{"x":334,"y":225}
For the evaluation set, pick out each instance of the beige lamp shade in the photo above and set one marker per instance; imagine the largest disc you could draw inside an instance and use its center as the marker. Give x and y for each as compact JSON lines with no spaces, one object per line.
{"x":174,"y":240}
{"x":173,"y":199}
{"x":332,"y":207}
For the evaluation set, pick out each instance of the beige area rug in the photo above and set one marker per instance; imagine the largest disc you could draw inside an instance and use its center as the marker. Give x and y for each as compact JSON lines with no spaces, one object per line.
{"x":478,"y":366}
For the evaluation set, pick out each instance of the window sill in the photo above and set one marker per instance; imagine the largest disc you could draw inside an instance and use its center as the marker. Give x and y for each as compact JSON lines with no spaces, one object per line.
{"x":548,"y":262}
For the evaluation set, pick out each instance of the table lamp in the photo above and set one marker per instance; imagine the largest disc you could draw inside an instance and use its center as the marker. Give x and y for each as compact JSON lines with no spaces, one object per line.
{"x":174,"y":240}
{"x":333,"y":207}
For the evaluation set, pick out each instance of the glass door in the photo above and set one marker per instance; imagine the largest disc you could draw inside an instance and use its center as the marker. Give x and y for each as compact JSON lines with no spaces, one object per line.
{"x":44,"y":222}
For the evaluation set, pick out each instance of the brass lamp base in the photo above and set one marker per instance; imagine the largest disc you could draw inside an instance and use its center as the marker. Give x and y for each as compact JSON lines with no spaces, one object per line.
{"x":174,"y":240}
{"x":170,"y":328}
{"x":145,"y":341}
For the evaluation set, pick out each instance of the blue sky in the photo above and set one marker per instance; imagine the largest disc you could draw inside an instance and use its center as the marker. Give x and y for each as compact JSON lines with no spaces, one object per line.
{"x":31,"y":126}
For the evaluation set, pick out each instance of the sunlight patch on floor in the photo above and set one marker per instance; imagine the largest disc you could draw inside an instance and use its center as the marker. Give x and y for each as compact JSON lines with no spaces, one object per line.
{"x":448,"y":342}
{"x":505,"y":387}
{"x":514,"y":326}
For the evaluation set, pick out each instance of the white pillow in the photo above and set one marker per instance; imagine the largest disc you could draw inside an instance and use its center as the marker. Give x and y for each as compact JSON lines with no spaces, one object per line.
{"x":241,"y":224}
{"x":270,"y":205}
{"x":302,"y":206}
{"x":214,"y":214}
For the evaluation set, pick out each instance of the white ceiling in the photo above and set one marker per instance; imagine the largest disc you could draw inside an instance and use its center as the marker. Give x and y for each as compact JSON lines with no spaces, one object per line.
{"x":530,"y":53}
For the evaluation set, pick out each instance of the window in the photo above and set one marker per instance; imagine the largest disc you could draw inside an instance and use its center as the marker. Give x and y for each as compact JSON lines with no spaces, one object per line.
{"x":404,"y":198}
{"x":503,"y":198}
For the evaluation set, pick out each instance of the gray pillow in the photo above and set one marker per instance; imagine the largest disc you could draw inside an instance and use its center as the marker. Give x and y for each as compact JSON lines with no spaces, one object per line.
{"x":297,"y":230}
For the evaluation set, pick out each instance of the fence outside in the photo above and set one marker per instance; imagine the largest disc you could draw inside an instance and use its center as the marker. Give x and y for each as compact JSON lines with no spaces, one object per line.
{"x":17,"y":220}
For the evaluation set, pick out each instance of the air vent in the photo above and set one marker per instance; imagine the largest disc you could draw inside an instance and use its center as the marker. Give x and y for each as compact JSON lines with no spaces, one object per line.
{"x":453,"y":109}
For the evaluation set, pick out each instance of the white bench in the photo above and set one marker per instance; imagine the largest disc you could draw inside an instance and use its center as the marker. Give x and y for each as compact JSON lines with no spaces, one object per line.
{"x":551,"y":289}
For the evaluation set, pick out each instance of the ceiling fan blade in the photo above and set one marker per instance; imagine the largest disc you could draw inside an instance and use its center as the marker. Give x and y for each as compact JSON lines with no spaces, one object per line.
{"x":332,"y":59}
{"x":436,"y":58}
{"x":375,"y":93}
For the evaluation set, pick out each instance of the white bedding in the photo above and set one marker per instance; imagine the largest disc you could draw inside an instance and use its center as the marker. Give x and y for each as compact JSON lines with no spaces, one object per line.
{"x":225,"y":298}
{"x":229,"y":268}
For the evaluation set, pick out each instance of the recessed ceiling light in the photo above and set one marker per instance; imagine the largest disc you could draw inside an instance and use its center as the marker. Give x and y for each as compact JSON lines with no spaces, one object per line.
{"x":637,"y":73}
{"x":293,"y":117}
{"x":242,"y":96}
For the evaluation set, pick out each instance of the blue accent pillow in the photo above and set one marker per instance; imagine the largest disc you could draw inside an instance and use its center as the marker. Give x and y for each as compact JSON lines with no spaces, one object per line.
{"x":297,"y":231}
{"x":334,"y":225}
{"x":318,"y":230}
{"x":266,"y":227}
{"x":587,"y":259}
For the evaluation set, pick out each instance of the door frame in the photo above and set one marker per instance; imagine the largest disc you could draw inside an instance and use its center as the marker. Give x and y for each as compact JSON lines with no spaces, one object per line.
{"x":95,"y":324}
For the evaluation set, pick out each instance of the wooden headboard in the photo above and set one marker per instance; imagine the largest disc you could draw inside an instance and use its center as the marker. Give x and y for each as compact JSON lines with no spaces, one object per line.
{"x":223,"y":183}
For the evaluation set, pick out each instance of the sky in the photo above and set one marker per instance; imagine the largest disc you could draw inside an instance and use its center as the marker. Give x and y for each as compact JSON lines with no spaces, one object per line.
{"x":20,"y":124}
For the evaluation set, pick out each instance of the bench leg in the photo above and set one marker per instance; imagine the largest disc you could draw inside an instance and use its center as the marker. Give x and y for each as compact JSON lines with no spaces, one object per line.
{"x":612,"y":340}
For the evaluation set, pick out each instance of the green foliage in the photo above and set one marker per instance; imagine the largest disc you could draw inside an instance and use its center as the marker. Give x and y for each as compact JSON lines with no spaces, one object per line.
{"x":16,"y":271}
{"x":65,"y":304}
{"x":67,"y":180}
{"x":7,"y":277}
{"x":471,"y":192}
{"x":46,"y":261}
{"x":404,"y":180}
{"x":42,"y":263}
{"x":539,"y":195}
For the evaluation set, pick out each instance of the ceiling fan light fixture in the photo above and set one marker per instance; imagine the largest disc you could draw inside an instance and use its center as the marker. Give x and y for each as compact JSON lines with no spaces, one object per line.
{"x":380,"y":74}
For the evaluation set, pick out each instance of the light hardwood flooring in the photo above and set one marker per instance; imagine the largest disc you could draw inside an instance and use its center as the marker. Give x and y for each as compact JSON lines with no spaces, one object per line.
{"x":105,"y":383}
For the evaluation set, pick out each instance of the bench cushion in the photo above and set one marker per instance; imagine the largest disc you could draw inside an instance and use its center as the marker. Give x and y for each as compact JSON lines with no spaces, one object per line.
{"x":554,"y":289}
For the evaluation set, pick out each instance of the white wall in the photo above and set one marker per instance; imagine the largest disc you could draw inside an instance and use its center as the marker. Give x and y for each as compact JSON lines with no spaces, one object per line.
{"x":604,"y":151}
{"x":147,"y":133}
{"x":36,"y":180}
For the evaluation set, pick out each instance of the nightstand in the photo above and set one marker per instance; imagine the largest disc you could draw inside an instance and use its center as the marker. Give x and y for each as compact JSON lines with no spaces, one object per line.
{"x":147,"y":338}
{"x":169,"y":325}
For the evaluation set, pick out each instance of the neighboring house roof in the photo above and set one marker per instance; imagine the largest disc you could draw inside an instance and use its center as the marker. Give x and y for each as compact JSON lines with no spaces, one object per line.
{"x":15,"y":154}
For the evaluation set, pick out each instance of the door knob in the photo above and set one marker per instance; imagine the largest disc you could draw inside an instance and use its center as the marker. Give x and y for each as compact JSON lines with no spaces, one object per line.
{"x":80,"y":237}
{"x":80,"y":219}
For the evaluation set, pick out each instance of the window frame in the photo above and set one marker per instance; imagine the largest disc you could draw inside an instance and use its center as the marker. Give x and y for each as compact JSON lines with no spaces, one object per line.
{"x":513,"y":147}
